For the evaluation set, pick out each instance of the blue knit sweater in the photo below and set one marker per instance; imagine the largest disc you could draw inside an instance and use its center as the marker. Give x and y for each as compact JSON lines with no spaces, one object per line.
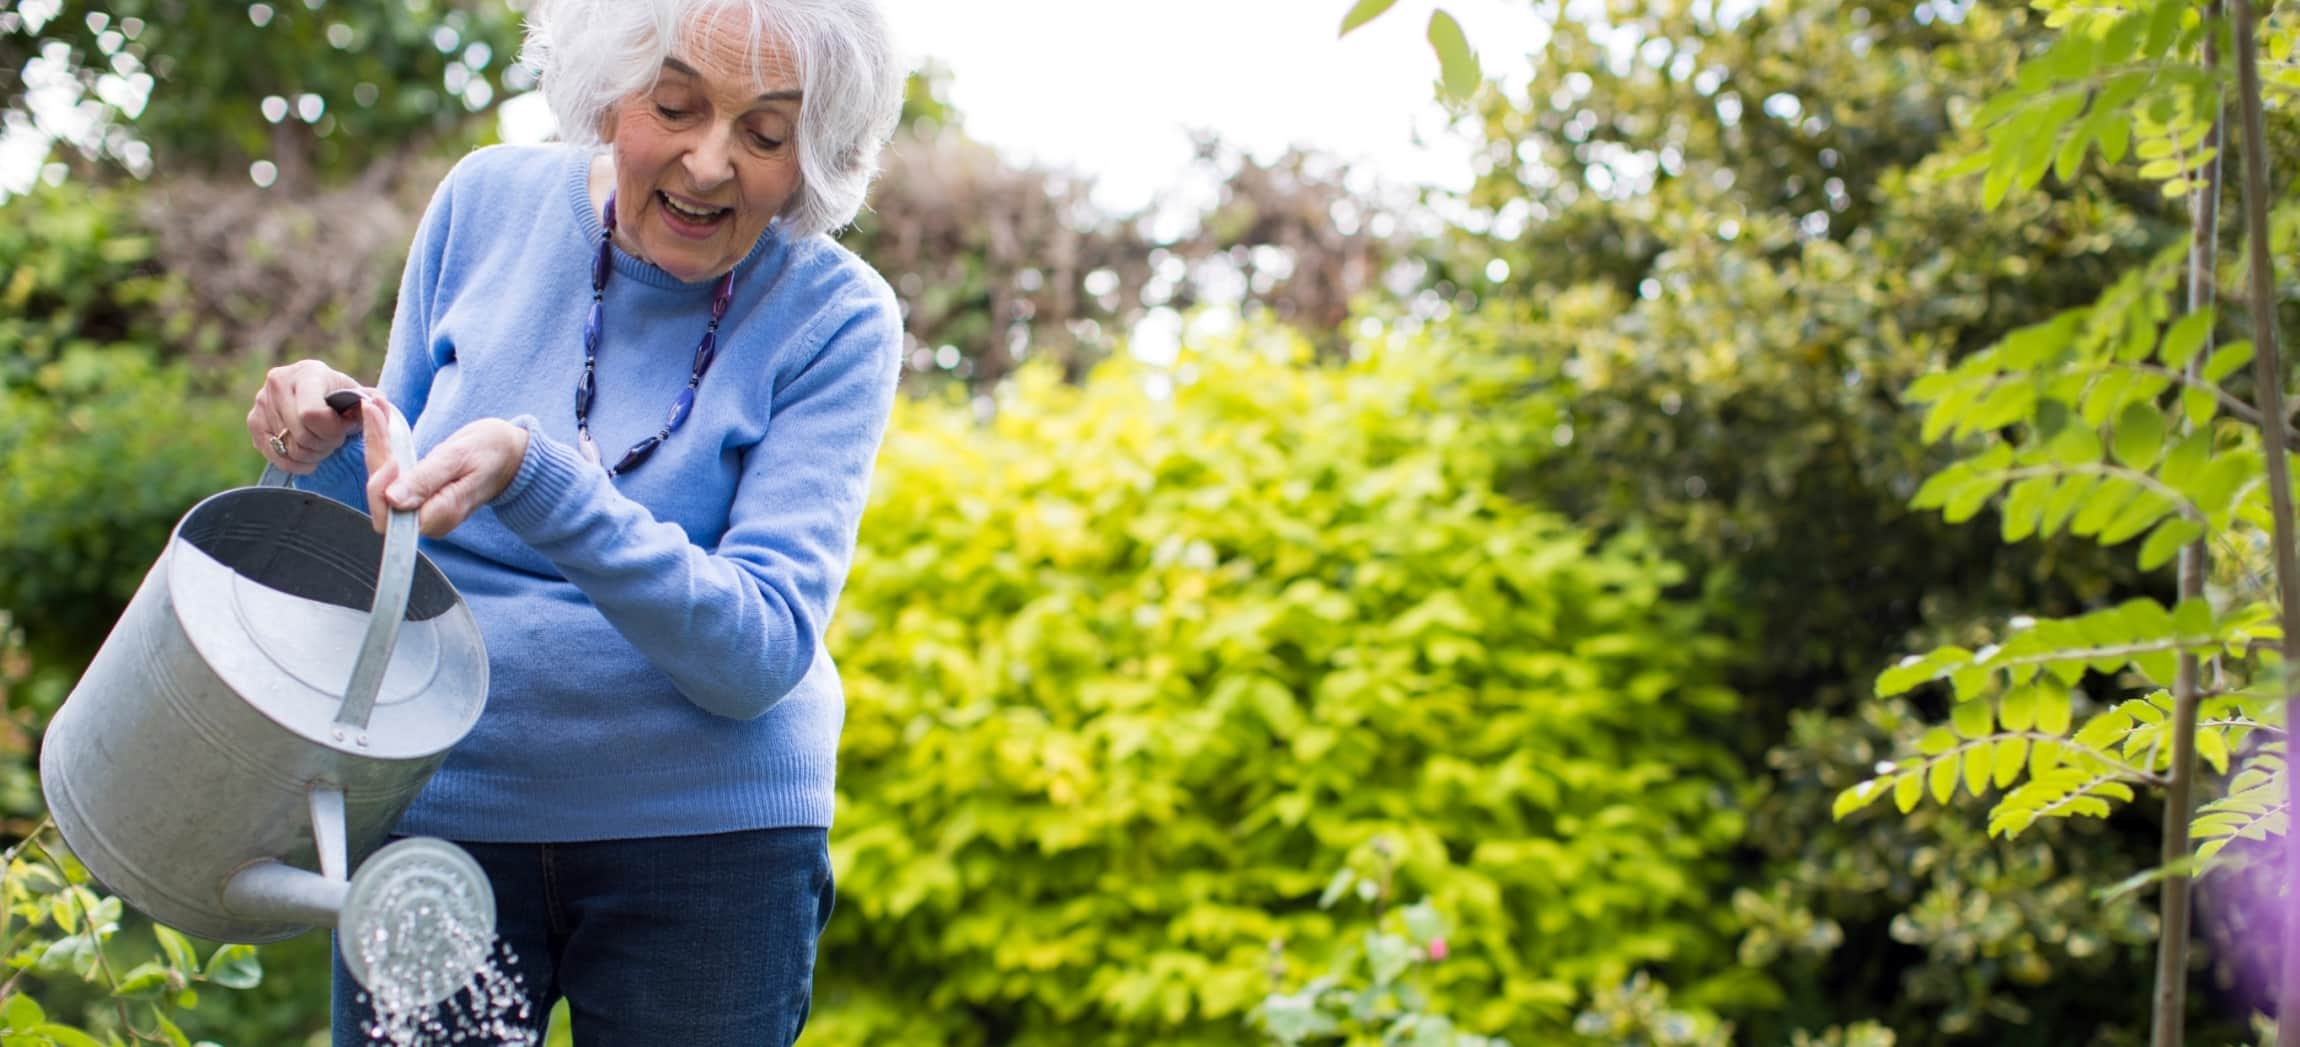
{"x":655,"y":640}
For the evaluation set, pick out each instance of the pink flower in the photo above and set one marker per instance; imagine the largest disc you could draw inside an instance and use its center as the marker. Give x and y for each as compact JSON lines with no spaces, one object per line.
{"x":1437,"y":949}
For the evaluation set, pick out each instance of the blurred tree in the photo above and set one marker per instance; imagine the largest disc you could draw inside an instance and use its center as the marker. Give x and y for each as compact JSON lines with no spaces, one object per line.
{"x":1716,"y":225}
{"x":999,"y":261}
{"x":314,"y":90}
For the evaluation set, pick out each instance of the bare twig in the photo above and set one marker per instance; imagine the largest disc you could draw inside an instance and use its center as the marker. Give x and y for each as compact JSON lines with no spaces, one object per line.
{"x":2268,"y":377}
{"x":2169,"y":1006}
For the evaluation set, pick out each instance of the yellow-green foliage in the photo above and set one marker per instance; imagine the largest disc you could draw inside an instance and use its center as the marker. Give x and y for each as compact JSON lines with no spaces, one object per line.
{"x":1128,"y":677}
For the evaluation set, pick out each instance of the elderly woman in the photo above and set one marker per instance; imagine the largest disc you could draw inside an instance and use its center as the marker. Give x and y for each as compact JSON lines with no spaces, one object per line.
{"x":646,"y":391}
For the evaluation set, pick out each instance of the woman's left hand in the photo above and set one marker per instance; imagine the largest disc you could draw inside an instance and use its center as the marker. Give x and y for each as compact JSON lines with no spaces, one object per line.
{"x":466,"y":471}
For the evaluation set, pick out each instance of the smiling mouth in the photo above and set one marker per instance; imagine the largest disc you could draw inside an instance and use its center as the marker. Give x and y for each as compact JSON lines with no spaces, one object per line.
{"x":687,"y":214}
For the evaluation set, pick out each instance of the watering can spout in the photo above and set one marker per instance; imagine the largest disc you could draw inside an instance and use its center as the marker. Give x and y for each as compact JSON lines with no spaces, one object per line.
{"x":274,"y":890}
{"x":418,"y":915}
{"x":270,"y":889}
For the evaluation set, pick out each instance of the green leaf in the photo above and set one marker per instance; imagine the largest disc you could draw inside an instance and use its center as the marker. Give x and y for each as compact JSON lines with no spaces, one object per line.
{"x":2023,"y":506}
{"x":1971,"y":719}
{"x":1362,"y":12}
{"x":2043,"y":755}
{"x":2212,"y":748}
{"x":2010,"y":756}
{"x":2186,"y":458}
{"x":2138,"y":515}
{"x":2166,"y":541}
{"x":176,"y":1037}
{"x":1936,"y":741}
{"x":2226,"y":359}
{"x":22,"y":1012}
{"x":1941,"y":778}
{"x":146,"y":981}
{"x":2139,"y":437}
{"x":1424,"y":923}
{"x":2052,"y":711}
{"x":2074,"y":445}
{"x":75,"y":954}
{"x":2184,"y":338}
{"x":1389,"y":955}
{"x":2123,"y":38}
{"x":1969,"y":498}
{"x":1979,"y":766}
{"x":1456,"y":62}
{"x":2198,"y":405}
{"x":2072,"y":149}
{"x":1938,"y":487}
{"x":2192,"y":618}
{"x":177,"y":948}
{"x":2158,"y":666}
{"x":2065,"y":501}
{"x":2104,"y":731}
{"x":66,"y":1036}
{"x":1908,"y":788}
{"x":1857,"y":797}
{"x":2017,"y":710}
{"x":2163,"y":28}
{"x":1344,"y":879}
{"x":235,"y":967}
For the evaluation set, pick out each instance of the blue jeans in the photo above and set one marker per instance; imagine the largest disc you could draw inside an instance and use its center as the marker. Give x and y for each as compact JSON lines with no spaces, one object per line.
{"x":701,"y":941}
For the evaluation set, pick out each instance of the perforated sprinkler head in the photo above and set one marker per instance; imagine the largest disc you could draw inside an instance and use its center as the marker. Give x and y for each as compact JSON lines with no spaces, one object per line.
{"x":418,"y":923}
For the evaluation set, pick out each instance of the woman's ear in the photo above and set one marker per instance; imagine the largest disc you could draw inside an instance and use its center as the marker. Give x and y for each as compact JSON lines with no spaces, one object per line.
{"x":607,"y":122}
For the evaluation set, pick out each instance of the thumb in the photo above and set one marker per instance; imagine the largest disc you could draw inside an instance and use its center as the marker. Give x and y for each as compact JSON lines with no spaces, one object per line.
{"x":411,"y":486}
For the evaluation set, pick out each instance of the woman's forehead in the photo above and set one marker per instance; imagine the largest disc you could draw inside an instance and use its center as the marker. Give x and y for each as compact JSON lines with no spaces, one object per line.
{"x":729,"y":48}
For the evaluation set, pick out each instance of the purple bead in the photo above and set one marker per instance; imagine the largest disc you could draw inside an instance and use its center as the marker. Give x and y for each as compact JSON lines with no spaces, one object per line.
{"x":599,"y":267}
{"x":706,"y":352}
{"x":607,"y":217}
{"x":591,"y":328}
{"x":583,"y":394}
{"x":638,"y":453}
{"x":680,"y":407}
{"x":726,"y":294}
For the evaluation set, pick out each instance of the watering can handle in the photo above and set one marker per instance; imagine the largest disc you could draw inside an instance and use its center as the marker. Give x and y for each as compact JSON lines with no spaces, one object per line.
{"x":393,"y":579}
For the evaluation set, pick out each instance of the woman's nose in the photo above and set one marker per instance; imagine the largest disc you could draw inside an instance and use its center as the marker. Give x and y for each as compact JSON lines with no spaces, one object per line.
{"x":710,"y":160}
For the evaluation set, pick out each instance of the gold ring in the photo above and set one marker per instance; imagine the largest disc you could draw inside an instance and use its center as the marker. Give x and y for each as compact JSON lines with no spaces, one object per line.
{"x":279,"y":443}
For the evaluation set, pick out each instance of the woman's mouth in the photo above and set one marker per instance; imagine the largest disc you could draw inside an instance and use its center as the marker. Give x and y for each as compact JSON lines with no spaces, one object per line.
{"x":688,"y":219}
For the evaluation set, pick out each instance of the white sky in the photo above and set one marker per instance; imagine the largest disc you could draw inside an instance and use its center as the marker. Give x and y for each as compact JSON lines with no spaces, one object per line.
{"x":1112,"y":88}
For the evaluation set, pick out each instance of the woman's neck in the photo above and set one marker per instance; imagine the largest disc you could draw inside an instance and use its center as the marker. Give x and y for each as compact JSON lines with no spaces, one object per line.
{"x":603,"y":183}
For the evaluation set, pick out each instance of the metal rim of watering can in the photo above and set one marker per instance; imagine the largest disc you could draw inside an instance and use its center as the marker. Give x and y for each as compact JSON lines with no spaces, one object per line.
{"x":394,"y":577}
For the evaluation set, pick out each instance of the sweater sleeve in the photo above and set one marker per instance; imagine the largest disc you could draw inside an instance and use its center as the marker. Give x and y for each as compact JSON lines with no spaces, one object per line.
{"x":735,"y":627}
{"x":409,"y":361}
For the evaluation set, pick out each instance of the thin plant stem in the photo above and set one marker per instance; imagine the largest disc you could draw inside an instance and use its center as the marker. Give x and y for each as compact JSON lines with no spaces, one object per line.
{"x":2169,"y":1006}
{"x":2268,"y":376}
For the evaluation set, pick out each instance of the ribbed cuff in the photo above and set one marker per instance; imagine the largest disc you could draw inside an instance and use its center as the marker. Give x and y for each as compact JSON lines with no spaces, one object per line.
{"x":547,"y":477}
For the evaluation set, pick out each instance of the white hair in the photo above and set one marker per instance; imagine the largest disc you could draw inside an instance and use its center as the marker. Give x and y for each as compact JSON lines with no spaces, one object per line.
{"x":594,"y":54}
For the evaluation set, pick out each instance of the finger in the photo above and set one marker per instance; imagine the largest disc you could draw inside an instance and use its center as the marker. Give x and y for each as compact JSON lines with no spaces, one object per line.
{"x":446,"y":509}
{"x":375,"y":417}
{"x":377,"y":481}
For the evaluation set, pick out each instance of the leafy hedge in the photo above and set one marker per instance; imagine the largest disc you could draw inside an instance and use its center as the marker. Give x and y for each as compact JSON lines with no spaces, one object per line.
{"x":1129,"y":678}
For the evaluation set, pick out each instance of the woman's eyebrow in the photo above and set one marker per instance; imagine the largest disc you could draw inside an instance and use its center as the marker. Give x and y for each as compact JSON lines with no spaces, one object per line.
{"x":788,"y":94}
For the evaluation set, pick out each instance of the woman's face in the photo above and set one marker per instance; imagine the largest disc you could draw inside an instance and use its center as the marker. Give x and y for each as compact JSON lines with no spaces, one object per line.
{"x":707,"y":157}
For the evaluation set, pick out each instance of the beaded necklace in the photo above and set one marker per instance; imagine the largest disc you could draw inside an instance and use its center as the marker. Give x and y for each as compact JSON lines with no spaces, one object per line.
{"x":587,"y":385}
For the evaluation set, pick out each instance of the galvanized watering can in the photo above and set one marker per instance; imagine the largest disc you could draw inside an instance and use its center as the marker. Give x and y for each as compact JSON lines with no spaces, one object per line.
{"x":217,"y":770}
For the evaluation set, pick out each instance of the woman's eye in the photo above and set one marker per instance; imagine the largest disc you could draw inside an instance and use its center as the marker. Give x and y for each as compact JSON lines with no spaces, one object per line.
{"x":766,"y":143}
{"x":669,"y":113}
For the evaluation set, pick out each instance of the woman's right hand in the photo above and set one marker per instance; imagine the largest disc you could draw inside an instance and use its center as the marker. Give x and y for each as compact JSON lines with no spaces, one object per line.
{"x":291,"y":423}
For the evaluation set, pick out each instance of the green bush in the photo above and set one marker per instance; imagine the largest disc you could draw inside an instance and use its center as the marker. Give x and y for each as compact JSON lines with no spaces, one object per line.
{"x":1129,"y":675}
{"x":105,"y":438}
